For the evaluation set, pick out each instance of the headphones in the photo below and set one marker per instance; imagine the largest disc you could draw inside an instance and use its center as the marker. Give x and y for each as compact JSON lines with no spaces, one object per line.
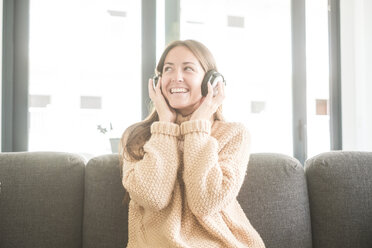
{"x":211,"y":76}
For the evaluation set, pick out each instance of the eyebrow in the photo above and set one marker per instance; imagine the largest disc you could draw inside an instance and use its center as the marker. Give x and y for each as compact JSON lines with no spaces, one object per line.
{"x":184,"y":63}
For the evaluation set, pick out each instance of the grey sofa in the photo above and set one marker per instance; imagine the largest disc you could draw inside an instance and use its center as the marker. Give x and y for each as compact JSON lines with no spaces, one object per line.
{"x":52,"y":200}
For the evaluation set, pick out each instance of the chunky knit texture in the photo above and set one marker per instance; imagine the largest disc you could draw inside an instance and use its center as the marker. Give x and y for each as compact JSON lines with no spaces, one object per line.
{"x":183,"y":192}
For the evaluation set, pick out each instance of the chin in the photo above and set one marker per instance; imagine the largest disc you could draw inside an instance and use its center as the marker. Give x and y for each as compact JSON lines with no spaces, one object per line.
{"x":184,"y":110}
{"x":188,"y":106}
{"x":180,"y":109}
{"x":178,"y":105}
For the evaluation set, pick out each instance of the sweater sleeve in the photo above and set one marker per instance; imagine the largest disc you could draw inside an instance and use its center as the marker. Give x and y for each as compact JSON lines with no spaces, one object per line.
{"x":213,"y":170}
{"x":150,"y":181}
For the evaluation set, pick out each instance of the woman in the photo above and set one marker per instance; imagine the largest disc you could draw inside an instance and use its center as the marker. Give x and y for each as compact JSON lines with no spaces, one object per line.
{"x":184,"y":165}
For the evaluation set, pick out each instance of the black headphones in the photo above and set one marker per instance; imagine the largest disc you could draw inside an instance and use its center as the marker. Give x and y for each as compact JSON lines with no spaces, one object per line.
{"x":212,"y":76}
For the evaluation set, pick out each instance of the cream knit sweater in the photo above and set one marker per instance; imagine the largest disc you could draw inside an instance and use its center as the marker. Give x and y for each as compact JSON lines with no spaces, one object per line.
{"x":183,"y":192}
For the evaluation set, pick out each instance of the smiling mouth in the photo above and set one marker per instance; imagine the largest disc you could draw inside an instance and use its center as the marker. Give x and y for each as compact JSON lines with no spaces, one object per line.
{"x":178,"y":90}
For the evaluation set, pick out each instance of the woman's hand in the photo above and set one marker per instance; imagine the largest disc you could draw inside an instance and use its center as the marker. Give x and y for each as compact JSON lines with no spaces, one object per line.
{"x":165,"y":112}
{"x":210,"y":103}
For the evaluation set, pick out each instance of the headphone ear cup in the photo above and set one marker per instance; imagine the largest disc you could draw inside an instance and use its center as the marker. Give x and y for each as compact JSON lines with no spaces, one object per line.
{"x":206,"y":79}
{"x":155,"y":80}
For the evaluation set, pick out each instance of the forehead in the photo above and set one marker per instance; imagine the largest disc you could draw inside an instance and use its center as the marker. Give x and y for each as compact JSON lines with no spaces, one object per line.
{"x":181,"y":54}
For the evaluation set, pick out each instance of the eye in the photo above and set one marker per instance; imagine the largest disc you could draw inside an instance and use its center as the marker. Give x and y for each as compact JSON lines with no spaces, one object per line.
{"x":167,"y":68}
{"x":188,"y":68}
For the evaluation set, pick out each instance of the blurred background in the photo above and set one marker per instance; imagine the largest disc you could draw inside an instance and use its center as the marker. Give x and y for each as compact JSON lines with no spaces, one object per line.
{"x":298,"y":72}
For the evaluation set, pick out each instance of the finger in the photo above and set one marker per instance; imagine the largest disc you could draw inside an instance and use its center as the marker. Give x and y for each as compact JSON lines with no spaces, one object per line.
{"x":158,"y":86}
{"x":218,"y":89}
{"x":222,"y":86}
{"x":210,"y":91}
{"x":221,"y":91}
{"x":217,"y":97}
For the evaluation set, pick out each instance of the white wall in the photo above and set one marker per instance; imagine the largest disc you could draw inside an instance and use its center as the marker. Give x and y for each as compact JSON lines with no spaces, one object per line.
{"x":356,"y":65}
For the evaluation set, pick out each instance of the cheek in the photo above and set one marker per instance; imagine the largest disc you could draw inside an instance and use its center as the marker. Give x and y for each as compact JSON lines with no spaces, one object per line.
{"x":197,"y":91}
{"x":197,"y":86}
{"x":164,"y":85}
{"x":164,"y":92}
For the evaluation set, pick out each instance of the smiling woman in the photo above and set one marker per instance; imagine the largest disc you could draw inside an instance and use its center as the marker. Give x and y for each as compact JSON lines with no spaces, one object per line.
{"x":181,"y":80}
{"x":184,"y":165}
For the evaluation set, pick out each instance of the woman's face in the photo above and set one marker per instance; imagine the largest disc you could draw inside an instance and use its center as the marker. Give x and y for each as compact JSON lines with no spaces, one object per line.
{"x":182,"y":76}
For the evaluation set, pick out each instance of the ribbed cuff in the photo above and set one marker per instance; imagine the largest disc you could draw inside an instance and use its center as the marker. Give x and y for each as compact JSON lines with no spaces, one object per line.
{"x":167,"y":128}
{"x":196,"y":126}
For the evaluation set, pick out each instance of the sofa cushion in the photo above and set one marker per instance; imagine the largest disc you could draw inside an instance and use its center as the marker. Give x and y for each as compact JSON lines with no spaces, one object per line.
{"x":275,"y":200}
{"x":340,"y":193}
{"x":105,"y":215}
{"x":41,"y":200}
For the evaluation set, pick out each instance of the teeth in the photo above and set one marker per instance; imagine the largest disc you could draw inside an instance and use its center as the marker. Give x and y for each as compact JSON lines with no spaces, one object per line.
{"x":178,"y":90}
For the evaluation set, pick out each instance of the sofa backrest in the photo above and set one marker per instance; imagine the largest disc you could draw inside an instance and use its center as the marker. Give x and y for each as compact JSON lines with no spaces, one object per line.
{"x":105,"y":215}
{"x":51,"y":199}
{"x":41,"y":200}
{"x":275,"y":200}
{"x":340,"y":193}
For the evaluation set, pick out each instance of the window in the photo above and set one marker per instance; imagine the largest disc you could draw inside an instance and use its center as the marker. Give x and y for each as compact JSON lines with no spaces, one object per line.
{"x":317,"y":80}
{"x":1,"y":63}
{"x":85,"y":62}
{"x":356,"y":63}
{"x":85,"y":69}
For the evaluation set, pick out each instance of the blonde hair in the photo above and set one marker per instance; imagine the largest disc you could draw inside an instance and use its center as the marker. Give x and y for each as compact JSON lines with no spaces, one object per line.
{"x":138,"y":134}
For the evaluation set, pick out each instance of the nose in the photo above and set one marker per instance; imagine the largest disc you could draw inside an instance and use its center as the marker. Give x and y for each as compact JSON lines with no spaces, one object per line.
{"x":179,"y":75}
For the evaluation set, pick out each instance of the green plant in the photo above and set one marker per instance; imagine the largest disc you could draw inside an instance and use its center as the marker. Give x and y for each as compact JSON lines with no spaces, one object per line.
{"x":103,"y":129}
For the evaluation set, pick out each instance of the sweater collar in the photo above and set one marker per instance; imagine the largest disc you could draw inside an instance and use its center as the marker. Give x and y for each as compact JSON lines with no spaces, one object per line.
{"x":180,"y":118}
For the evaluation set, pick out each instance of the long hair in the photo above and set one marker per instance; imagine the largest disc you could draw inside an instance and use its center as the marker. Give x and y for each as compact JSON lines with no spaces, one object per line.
{"x":135,"y":136}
